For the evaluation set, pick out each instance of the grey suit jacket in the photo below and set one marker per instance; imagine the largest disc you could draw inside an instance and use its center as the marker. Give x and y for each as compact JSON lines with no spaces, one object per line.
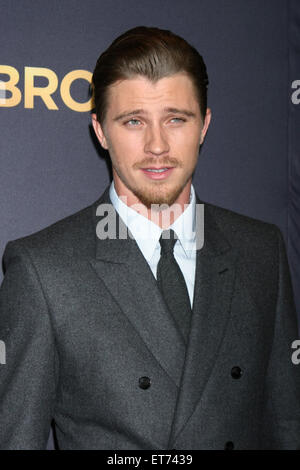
{"x":90,"y":343}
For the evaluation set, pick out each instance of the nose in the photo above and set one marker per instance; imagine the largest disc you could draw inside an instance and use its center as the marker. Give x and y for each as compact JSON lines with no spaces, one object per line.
{"x":156,"y":140}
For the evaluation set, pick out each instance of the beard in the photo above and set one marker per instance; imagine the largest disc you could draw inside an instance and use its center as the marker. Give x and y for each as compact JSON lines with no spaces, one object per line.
{"x":156,"y":193}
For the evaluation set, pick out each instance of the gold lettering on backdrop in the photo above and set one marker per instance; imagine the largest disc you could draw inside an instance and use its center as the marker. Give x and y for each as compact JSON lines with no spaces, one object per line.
{"x":66,"y":94}
{"x":10,"y":85}
{"x":11,"y":95}
{"x":44,"y":92}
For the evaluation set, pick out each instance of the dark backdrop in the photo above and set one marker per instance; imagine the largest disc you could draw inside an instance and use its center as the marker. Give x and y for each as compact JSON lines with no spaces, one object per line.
{"x":250,"y":161}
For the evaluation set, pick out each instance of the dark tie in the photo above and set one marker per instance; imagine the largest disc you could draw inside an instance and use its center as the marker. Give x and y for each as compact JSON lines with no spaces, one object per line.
{"x":172,"y":284}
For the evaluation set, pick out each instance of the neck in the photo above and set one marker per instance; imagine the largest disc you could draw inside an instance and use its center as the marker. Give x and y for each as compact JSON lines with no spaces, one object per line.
{"x":163,"y":218}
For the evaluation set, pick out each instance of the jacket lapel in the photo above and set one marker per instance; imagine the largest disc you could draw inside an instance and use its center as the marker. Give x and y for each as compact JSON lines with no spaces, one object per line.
{"x":214,"y":283}
{"x":122,"y":268}
{"x":124,"y":271}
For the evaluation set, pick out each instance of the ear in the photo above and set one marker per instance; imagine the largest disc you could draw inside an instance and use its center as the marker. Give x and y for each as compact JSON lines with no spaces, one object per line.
{"x":99,"y":131}
{"x":205,"y":125}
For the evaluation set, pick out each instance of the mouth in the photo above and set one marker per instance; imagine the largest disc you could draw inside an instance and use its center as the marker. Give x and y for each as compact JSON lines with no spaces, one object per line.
{"x":157,"y":173}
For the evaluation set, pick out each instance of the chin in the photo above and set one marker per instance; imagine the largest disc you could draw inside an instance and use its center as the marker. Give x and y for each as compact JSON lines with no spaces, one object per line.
{"x":158,"y":196}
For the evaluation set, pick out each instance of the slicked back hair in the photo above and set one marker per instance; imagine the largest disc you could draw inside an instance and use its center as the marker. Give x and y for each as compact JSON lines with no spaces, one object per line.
{"x":152,"y":53}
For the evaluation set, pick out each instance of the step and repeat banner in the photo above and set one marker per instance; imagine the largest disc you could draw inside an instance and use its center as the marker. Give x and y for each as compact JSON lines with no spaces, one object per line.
{"x":51,"y":164}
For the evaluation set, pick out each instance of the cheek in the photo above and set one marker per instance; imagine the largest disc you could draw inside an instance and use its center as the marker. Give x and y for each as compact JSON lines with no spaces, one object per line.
{"x":123,"y":156}
{"x":188,"y":139}
{"x":188,"y":149}
{"x":127,"y":142}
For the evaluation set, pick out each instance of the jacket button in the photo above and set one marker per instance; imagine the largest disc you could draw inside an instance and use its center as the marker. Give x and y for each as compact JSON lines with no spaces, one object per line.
{"x":229,"y":445}
{"x":236,"y":372}
{"x":144,"y":382}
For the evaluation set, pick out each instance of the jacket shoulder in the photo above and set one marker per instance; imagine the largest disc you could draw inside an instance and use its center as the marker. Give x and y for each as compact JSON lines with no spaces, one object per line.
{"x":256,"y":245}
{"x":239,"y":226}
{"x":69,"y":236}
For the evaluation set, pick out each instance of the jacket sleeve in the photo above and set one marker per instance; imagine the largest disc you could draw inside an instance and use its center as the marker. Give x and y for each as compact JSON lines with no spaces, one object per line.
{"x":282,"y":418}
{"x":29,"y":375}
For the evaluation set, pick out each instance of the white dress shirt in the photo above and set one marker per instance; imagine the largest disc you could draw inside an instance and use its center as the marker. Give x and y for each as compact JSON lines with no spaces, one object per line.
{"x":147,"y":234}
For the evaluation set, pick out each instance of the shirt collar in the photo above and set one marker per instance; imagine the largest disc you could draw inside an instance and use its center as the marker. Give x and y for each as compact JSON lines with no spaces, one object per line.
{"x":147,"y":233}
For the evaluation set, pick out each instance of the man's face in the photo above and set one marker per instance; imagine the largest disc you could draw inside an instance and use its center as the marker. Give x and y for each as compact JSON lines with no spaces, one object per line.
{"x":153,"y":133}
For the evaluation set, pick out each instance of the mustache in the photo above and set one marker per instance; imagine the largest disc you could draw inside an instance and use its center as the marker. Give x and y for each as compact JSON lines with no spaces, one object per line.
{"x":164,"y":161}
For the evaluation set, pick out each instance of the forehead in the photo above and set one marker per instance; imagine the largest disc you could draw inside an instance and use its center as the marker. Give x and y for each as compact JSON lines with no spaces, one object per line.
{"x":139,"y":91}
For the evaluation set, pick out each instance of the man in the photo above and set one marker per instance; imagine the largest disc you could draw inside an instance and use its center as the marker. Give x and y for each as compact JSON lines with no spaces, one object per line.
{"x":144,"y":338}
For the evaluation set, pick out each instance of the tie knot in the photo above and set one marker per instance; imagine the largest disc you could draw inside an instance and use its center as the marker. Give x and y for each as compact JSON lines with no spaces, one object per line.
{"x":167,"y":241}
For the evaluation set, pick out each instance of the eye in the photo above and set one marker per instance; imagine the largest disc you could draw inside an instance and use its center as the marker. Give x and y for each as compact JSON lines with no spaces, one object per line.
{"x":132,"y":120}
{"x":178,"y":119}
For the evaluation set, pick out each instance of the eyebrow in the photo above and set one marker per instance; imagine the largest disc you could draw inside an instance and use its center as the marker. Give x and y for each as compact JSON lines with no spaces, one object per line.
{"x":185,"y":112}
